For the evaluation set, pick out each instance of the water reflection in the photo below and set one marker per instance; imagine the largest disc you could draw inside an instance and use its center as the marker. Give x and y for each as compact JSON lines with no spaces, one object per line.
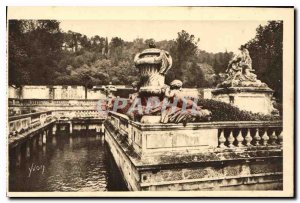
{"x":64,"y":163}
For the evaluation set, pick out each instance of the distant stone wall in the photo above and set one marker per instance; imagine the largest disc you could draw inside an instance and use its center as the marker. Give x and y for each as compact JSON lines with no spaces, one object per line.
{"x":13,"y":92}
{"x":95,"y":94}
{"x":59,"y":92}
{"x":34,"y":92}
{"x":191,"y":92}
{"x":53,"y":92}
{"x":67,"y":92}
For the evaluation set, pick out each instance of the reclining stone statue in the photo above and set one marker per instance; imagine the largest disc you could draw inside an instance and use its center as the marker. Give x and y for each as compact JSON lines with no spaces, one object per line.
{"x":240,"y":73}
{"x":180,"y":109}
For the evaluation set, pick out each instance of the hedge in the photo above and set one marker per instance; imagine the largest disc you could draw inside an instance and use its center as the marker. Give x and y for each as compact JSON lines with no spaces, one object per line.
{"x":226,"y":112}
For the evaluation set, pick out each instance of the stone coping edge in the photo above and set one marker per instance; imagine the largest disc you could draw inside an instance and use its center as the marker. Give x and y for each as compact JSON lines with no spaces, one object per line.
{"x":198,"y":125}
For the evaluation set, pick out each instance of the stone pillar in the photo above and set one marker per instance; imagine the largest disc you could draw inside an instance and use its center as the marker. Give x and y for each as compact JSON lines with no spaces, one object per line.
{"x":102,"y":139}
{"x":18,"y":155}
{"x":18,"y":126}
{"x":44,"y":149}
{"x":36,"y":137}
{"x":34,"y":143}
{"x":44,"y":137}
{"x":54,"y":128}
{"x":102,"y":128}
{"x":71,"y":127}
{"x":98,"y":129}
{"x":40,"y":139}
{"x":71,"y":140}
{"x":27,"y":149}
{"x":54,"y":140}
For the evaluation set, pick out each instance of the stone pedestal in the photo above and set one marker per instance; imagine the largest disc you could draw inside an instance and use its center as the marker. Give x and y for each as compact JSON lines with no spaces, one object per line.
{"x":150,"y":119}
{"x":256,"y":100}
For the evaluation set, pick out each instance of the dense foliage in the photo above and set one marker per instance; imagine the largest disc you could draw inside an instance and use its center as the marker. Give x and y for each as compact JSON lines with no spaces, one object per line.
{"x":226,"y":112}
{"x":220,"y":111}
{"x":266,"y":53}
{"x":34,"y":50}
{"x":41,"y":54}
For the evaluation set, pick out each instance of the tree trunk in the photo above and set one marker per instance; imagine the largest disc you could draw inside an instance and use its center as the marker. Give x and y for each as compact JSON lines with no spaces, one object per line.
{"x":85,"y":89}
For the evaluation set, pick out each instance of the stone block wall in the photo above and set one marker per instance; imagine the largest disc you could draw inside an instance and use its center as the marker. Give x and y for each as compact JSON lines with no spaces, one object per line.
{"x":221,"y":175}
{"x":78,"y":92}
{"x":53,"y":93}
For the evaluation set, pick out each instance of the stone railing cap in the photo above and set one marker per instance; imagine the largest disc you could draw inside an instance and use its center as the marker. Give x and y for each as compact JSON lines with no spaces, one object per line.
{"x":242,"y":89}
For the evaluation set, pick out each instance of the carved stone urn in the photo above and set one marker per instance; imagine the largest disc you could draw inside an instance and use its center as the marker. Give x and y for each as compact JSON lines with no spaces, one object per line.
{"x":153,"y":65}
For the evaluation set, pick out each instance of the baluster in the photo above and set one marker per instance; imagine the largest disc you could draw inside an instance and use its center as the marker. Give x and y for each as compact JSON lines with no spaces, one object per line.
{"x":230,"y":140}
{"x":257,"y":138}
{"x":273,"y":137}
{"x":222,"y":139}
{"x":240,"y":139}
{"x":280,"y":138}
{"x":248,"y":138}
{"x":265,"y":138}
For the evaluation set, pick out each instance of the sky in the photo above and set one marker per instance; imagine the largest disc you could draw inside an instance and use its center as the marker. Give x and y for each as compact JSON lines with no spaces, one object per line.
{"x":215,"y":36}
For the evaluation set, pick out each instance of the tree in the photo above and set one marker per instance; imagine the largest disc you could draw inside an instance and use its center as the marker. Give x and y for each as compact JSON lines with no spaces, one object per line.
{"x":16,"y":53}
{"x":40,"y":54}
{"x":183,"y":51}
{"x":266,"y":53}
{"x":106,"y":46}
{"x":81,"y":76}
{"x":88,"y":76}
{"x":85,"y":42}
{"x":116,"y":49}
{"x":98,"y":44}
{"x":34,"y":49}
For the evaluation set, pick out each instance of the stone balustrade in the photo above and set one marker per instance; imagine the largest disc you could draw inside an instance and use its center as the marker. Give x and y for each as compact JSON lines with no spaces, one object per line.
{"x":22,"y":123}
{"x":246,"y":137}
{"x":49,"y":102}
{"x":146,"y":138}
{"x":32,"y":105}
{"x":83,"y":113}
{"x":204,"y":155}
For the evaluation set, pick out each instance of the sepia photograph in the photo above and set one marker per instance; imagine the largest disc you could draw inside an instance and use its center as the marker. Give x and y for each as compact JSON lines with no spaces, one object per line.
{"x":150,"y":102}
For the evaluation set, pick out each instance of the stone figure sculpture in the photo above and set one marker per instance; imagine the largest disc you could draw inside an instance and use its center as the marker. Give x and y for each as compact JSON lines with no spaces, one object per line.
{"x":240,"y":73}
{"x":185,"y":110}
{"x":242,"y":89}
